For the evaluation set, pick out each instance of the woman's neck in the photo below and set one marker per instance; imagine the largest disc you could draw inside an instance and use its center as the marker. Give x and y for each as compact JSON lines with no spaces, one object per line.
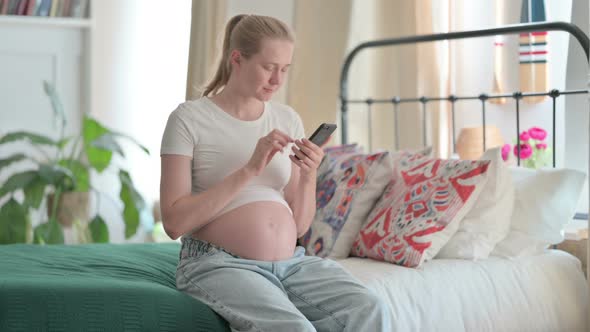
{"x":242,"y":107}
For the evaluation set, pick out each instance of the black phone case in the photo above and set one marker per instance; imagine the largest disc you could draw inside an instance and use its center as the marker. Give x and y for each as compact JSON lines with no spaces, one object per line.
{"x":321,"y":135}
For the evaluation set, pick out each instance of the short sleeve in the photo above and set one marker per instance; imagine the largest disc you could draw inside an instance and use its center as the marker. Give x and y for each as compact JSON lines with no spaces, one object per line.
{"x":298,"y":130}
{"x":177,"y":138}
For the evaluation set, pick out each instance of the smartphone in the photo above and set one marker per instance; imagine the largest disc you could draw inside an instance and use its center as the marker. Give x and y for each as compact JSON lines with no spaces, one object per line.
{"x":321,"y":135}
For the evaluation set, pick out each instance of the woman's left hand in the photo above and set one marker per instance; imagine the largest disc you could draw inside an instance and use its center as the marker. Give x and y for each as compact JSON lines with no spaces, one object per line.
{"x":310,"y":156}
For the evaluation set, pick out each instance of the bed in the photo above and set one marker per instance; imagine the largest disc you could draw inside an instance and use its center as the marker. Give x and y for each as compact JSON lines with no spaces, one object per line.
{"x":130,"y":287}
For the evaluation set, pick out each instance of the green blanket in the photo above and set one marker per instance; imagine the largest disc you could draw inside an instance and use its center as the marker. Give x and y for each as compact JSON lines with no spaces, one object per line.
{"x":97,"y":287}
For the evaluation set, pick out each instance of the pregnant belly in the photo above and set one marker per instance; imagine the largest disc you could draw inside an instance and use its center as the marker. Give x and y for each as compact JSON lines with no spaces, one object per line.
{"x":261,"y":230}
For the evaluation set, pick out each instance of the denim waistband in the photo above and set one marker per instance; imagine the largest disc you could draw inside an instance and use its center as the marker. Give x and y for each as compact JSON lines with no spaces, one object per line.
{"x":192,"y":247}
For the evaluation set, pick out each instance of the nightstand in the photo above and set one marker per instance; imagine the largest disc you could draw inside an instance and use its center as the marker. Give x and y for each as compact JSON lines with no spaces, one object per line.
{"x":576,"y":241}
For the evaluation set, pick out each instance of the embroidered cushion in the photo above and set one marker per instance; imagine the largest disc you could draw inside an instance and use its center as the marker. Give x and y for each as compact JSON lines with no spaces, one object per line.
{"x":332,"y":153}
{"x":420,"y":209}
{"x":346,"y":191}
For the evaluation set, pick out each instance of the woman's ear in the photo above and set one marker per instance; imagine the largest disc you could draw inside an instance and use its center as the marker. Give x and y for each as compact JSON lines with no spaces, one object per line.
{"x":235,"y":57}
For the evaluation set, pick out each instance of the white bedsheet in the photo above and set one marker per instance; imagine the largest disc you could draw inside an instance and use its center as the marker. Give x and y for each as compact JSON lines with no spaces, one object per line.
{"x":547,"y":292}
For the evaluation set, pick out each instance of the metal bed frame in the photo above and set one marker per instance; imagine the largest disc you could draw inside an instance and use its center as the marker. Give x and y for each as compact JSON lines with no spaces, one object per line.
{"x":575,"y":31}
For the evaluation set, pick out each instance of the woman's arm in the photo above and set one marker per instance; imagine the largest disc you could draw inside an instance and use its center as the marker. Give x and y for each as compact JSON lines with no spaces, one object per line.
{"x":301,"y":190}
{"x":183,"y":212}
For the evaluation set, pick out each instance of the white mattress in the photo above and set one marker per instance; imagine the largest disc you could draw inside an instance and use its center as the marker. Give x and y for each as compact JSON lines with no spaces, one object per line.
{"x":547,"y":292}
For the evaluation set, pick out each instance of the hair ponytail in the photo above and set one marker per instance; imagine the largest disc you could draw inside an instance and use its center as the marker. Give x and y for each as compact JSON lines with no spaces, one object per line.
{"x":223,"y":68}
{"x":246,"y":38}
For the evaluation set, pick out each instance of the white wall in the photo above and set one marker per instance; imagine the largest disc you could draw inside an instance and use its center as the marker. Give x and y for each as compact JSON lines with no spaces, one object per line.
{"x":576,"y":115}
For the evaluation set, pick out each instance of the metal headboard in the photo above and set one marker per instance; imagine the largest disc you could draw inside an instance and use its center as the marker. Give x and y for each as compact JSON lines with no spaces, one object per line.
{"x":575,"y":31}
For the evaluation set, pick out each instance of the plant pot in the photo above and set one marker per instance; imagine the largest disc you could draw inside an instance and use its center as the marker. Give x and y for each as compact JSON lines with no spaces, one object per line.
{"x":72,"y":206}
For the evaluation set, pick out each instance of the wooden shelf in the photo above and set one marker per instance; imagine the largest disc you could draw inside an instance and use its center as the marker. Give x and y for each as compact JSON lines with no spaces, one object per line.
{"x":58,"y":22}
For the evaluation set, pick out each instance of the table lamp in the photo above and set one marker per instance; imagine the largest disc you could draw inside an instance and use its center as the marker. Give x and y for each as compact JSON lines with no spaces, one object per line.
{"x":469,"y":144}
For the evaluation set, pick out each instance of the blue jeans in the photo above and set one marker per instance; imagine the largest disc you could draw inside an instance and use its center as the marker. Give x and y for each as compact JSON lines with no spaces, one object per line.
{"x":302,"y":293}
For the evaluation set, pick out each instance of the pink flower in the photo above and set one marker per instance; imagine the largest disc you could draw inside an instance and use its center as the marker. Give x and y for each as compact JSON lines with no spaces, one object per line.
{"x":537,"y":133}
{"x":525,"y":151}
{"x":506,"y":151}
{"x":524,"y":136}
{"x":541,"y":146}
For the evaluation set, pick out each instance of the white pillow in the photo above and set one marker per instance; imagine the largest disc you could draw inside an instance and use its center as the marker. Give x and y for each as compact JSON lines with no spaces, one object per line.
{"x":488,"y":221}
{"x":545,"y":201}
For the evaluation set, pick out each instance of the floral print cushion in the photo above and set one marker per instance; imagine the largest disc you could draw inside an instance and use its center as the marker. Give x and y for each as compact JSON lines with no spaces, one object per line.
{"x":420,"y":209}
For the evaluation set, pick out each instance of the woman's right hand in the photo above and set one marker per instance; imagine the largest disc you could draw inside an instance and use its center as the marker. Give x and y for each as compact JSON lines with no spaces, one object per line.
{"x":266,"y":148}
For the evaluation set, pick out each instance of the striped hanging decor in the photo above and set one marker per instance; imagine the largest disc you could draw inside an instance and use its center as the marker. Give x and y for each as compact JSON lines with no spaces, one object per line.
{"x":533,"y":52}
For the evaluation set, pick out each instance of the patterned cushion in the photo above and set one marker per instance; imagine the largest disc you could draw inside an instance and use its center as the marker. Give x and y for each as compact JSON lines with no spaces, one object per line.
{"x":420,"y":209}
{"x":332,"y":153}
{"x":347,"y":189}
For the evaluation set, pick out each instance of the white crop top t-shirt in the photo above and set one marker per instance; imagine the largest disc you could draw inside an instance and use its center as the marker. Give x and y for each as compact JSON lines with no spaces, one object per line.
{"x":220,"y":144}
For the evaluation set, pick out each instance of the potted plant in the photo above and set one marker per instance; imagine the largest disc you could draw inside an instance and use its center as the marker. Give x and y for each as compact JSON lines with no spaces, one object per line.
{"x":61,"y":178}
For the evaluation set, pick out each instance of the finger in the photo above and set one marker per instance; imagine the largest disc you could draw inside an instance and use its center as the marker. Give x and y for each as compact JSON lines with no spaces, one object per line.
{"x":310,"y":144}
{"x":277,"y":133}
{"x":304,"y":160}
{"x":300,"y":163}
{"x":311,"y":153}
{"x":303,"y":165}
{"x":295,"y":160}
{"x":307,"y":163}
{"x":299,"y":153}
{"x":277,"y":139}
{"x":278,"y":147}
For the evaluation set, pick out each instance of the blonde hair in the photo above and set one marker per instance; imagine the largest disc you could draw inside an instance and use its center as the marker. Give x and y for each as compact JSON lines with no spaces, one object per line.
{"x":245,"y":33}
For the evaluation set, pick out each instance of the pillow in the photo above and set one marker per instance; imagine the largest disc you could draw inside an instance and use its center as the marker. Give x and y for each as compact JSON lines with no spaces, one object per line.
{"x":488,"y":222}
{"x":420,"y":209}
{"x":346,"y":192}
{"x":545,"y":201}
{"x":332,"y":153}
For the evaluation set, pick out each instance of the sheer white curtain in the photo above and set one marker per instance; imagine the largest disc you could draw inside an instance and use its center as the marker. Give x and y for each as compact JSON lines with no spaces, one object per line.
{"x":321,"y":29}
{"x":207,"y":28}
{"x":404,"y":71}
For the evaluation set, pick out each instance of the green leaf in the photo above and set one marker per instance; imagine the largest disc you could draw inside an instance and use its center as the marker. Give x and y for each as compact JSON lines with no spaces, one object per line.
{"x":33,"y":138}
{"x":115,"y":133}
{"x":58,"y":176}
{"x":48,"y":233}
{"x":17,"y":181}
{"x":97,"y":157}
{"x":62,"y":143}
{"x":14,"y":219}
{"x":34,"y":192}
{"x":107,"y":141}
{"x":80,"y":173}
{"x":98,"y":230}
{"x":133,"y":203}
{"x":56,"y":105}
{"x":12,"y":159}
